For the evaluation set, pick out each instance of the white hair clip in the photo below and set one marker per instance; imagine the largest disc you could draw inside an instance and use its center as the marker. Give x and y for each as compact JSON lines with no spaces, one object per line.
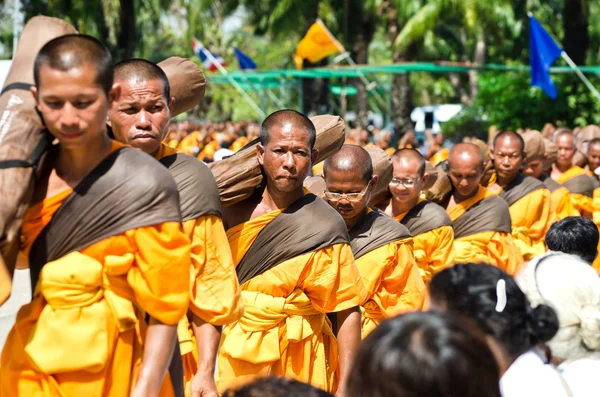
{"x":500,"y":295}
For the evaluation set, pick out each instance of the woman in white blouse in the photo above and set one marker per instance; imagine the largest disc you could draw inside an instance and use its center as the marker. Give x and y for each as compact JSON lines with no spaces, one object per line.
{"x":572,"y":288}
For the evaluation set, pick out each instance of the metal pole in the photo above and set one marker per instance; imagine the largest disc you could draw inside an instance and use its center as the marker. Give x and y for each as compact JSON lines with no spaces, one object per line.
{"x":369,"y":85}
{"x":245,"y":95}
{"x":578,"y":72}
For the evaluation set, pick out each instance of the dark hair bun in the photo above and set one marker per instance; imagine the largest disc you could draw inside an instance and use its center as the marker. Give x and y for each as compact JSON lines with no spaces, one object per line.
{"x":543,"y":323}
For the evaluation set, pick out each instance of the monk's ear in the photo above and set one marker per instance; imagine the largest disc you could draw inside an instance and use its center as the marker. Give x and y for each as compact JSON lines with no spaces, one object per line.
{"x":171,"y":104}
{"x":35,"y":93}
{"x":424,"y":179}
{"x":491,"y":152}
{"x":373,"y":181}
{"x":115,"y":93}
{"x":314,"y":155}
{"x":260,"y":153}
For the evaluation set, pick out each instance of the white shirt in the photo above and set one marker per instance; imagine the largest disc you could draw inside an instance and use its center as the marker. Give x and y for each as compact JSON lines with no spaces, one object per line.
{"x":531,"y":376}
{"x":582,"y":376}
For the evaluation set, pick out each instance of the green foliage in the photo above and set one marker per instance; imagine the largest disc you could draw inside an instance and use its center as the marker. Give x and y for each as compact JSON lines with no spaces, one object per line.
{"x":467,"y":123}
{"x":507,"y":101}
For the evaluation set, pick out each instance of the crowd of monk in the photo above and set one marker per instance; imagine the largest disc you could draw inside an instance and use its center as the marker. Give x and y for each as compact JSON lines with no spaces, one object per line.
{"x":131,"y":251}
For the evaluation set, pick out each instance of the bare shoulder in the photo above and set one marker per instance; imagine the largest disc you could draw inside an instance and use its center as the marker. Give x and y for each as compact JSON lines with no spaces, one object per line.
{"x":241,"y":212}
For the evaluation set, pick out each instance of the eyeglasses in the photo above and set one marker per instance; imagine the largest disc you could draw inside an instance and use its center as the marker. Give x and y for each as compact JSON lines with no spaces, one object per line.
{"x":408,"y":182}
{"x":352,"y":197}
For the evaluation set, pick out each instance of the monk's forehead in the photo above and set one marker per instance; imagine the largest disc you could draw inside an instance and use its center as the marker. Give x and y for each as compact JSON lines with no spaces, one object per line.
{"x":565,"y":139}
{"x":286,"y":130}
{"x":506,"y":141}
{"x":406,"y":162}
{"x":466,"y":157}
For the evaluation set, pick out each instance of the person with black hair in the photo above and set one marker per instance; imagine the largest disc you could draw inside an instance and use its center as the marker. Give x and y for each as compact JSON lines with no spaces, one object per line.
{"x":528,"y":199}
{"x":574,"y":235}
{"x":270,"y":386}
{"x":424,"y":354}
{"x":100,"y":241}
{"x":515,"y":331}
{"x":381,"y":246}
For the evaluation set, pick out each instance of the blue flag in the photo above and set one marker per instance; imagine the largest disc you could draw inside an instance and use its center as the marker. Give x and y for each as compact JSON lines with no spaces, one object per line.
{"x":544,"y":52}
{"x":244,"y":60}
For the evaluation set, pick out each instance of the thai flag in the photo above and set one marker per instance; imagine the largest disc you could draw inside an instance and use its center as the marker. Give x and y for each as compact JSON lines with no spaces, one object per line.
{"x":208,"y":62}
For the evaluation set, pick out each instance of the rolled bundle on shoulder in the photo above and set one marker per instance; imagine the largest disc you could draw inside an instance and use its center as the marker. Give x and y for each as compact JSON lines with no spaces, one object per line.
{"x":23,"y":139}
{"x":240,"y":175}
{"x":438,"y":188}
{"x":383,"y":168}
{"x":187,"y":83}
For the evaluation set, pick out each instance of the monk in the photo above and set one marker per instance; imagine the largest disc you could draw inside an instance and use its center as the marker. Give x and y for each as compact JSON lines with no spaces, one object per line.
{"x":529,"y":199}
{"x":574,"y":178}
{"x":593,"y":155}
{"x":101,"y":241}
{"x":140,"y":118}
{"x":294,"y":264}
{"x":381,"y":246}
{"x":540,"y":154}
{"x":481,"y":220}
{"x":429,"y":223}
{"x":436,"y":153}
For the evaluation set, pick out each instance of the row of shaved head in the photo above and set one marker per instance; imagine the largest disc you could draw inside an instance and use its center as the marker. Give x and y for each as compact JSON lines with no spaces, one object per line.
{"x":73,"y":51}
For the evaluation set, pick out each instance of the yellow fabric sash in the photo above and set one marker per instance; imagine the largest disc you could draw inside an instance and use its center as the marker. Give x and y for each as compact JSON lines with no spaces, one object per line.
{"x":256,"y":337}
{"x":459,"y":209}
{"x":71,"y":332}
{"x":570,"y":174}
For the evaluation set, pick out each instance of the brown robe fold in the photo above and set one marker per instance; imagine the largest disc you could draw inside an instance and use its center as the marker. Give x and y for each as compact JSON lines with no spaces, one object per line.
{"x":198,"y":192}
{"x":309,"y":224}
{"x":581,"y":184}
{"x":489,"y":215}
{"x":126,"y":191}
{"x":375,"y":231}
{"x":520,"y":187}
{"x":551,"y":184}
{"x":425,"y":217}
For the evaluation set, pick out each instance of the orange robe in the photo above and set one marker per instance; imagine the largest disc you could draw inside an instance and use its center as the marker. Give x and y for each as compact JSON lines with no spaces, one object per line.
{"x":581,"y":202}
{"x":531,"y":217}
{"x":214,"y":290}
{"x":393,"y":282}
{"x":495,"y":248}
{"x":433,"y":250}
{"x":284,"y":330}
{"x":93,"y":303}
{"x":238,"y":144}
{"x":439,"y":156}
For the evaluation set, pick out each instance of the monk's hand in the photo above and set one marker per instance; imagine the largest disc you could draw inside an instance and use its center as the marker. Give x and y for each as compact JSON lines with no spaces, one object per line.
{"x":203,"y":385}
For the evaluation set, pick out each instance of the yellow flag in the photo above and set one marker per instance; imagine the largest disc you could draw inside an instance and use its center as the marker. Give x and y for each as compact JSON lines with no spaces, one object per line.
{"x":317,"y":44}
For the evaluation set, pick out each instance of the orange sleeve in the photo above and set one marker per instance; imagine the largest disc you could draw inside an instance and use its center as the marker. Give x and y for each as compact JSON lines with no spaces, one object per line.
{"x":401,"y":288}
{"x":434,"y":251}
{"x":503,"y":252}
{"x":160,"y":275}
{"x":332,"y":281}
{"x":214,"y":290}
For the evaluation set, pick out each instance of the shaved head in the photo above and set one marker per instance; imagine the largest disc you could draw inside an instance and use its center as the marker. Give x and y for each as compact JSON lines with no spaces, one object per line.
{"x":512,"y":136}
{"x":349,"y":159}
{"x":139,"y":71}
{"x":565,"y":132}
{"x":466,"y":151}
{"x":286,"y":119}
{"x":73,"y":51}
{"x":409,"y":155}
